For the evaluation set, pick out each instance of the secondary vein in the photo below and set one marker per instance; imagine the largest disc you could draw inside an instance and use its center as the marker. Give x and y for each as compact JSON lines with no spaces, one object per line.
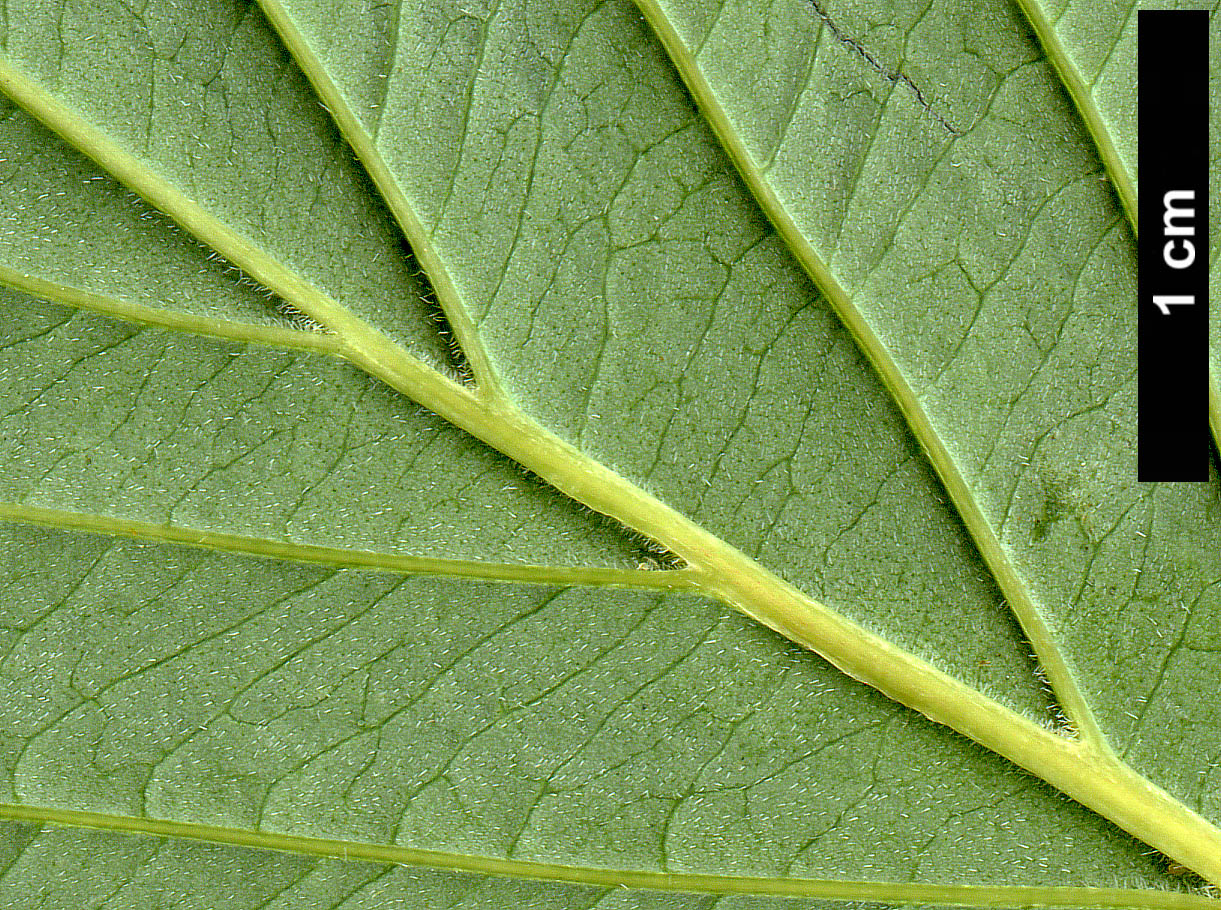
{"x":1064,"y":685}
{"x":1214,"y":407}
{"x":1083,"y":101}
{"x":1049,"y":897}
{"x":242,"y":332}
{"x":1088,"y":775}
{"x":664,"y":580}
{"x":486,"y":378}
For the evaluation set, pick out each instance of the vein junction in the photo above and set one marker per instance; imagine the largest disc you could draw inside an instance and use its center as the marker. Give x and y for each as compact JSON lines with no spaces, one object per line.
{"x":895,"y":75}
{"x":1080,"y":769}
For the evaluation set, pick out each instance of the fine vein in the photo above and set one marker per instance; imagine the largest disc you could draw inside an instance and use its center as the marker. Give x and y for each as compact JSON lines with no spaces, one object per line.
{"x":665,"y":580}
{"x":1121,"y":179}
{"x":1087,"y":775}
{"x":1214,"y":407}
{"x":1063,"y":684}
{"x":1001,"y":896}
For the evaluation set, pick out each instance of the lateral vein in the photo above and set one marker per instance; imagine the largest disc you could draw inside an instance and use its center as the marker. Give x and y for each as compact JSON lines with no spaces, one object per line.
{"x":243,"y":332}
{"x":1083,"y":101}
{"x":1087,"y":775}
{"x":663,"y":579}
{"x":1214,"y":407}
{"x":970,"y":896}
{"x":486,"y":378}
{"x":1016,"y":594}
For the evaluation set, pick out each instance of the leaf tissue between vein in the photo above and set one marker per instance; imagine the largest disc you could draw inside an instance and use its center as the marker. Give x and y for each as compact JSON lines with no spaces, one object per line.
{"x":891,"y":74}
{"x":284,"y":312}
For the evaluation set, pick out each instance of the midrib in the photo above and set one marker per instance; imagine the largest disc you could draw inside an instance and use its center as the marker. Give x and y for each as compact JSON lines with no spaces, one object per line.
{"x":1069,"y":898}
{"x":1046,"y":648}
{"x":717,"y":568}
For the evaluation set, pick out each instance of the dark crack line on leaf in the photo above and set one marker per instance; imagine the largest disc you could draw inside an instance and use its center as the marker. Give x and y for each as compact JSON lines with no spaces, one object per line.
{"x":893,"y":76}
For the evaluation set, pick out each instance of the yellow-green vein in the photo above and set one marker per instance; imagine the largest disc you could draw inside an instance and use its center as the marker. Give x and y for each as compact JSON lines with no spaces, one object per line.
{"x":1045,"y":646}
{"x":663,"y":580}
{"x":1081,"y":771}
{"x":1083,"y":100}
{"x":1050,"y":898}
{"x":1214,"y":407}
{"x":486,"y":379}
{"x":244,"y":332}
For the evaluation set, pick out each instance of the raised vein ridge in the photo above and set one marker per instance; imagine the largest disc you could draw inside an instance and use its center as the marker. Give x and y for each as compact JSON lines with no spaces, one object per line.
{"x":244,"y":332}
{"x":363,"y":145}
{"x":665,"y":580}
{"x":1037,"y":631}
{"x":999,"y":896}
{"x":1123,"y":181}
{"x":1079,"y":769}
{"x":1083,"y":101}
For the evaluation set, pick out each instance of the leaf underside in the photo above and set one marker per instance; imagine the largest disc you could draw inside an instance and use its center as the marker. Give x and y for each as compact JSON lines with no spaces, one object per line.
{"x":273,"y":634}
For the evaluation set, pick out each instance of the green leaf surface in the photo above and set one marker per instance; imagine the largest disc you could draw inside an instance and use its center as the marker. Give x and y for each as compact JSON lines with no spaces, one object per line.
{"x":1017,"y":439}
{"x":409,"y":393}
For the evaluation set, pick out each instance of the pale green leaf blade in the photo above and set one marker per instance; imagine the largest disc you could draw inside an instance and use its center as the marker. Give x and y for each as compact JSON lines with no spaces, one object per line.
{"x":1095,"y":46}
{"x":70,"y":869}
{"x":279,"y":446}
{"x":637,"y":410}
{"x":528,"y":723}
{"x":69,"y":231}
{"x":1038,"y":276}
{"x":214,"y":101}
{"x":596,"y":254}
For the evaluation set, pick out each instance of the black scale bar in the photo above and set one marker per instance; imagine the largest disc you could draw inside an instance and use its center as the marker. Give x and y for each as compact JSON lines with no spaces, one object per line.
{"x":1172,"y":345}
